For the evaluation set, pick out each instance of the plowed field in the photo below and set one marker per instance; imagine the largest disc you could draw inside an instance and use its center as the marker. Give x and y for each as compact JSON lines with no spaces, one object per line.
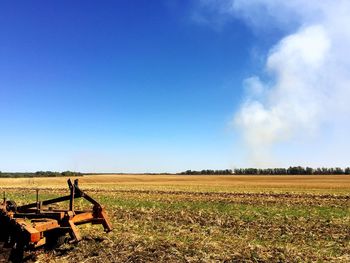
{"x":206,"y":218}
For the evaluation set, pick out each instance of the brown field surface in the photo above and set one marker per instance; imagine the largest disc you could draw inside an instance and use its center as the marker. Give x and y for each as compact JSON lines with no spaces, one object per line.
{"x":229,"y":183}
{"x":173,"y":218}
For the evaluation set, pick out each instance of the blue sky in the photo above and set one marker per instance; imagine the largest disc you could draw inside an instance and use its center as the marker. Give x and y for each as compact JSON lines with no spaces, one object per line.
{"x":124,"y":86}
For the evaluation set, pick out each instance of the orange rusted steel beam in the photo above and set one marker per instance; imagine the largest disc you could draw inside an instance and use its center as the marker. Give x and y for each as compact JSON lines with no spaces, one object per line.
{"x":106,"y":224}
{"x":34,"y":234}
{"x":74,"y":231}
{"x":83,"y":217}
{"x":49,"y":224}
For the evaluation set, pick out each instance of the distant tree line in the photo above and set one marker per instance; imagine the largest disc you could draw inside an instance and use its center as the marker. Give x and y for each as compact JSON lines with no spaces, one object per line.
{"x":39,"y":174}
{"x":293,"y":170}
{"x":223,"y":172}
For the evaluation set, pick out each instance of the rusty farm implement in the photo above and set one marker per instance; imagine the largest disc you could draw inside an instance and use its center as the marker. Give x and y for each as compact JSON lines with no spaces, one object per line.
{"x":37,"y":224}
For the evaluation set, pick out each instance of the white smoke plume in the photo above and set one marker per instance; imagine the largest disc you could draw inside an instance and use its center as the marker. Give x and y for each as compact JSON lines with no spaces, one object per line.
{"x":306,"y":100}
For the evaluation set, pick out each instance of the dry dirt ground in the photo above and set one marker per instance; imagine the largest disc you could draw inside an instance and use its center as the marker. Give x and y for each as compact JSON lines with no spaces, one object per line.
{"x":314,"y":183}
{"x":162,"y":218}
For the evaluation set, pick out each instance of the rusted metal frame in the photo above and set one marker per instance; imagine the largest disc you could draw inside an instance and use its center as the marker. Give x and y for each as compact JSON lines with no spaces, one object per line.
{"x":84,"y":217}
{"x":74,"y":232}
{"x":71,"y":197}
{"x":75,"y":192}
{"x":95,"y":218}
{"x":46,"y":225}
{"x":47,"y":202}
{"x":89,"y":198}
{"x":34,"y":231}
{"x":27,"y":232}
{"x":105,"y":223}
{"x":48,"y":211}
{"x":62,"y":220}
{"x":82,"y":193}
{"x":50,"y":215}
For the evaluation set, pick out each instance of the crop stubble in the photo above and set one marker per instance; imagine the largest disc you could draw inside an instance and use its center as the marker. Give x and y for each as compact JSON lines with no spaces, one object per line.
{"x":255,"y":223}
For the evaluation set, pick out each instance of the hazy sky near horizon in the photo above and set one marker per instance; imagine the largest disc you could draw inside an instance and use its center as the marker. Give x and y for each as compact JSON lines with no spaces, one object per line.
{"x":165,"y":86}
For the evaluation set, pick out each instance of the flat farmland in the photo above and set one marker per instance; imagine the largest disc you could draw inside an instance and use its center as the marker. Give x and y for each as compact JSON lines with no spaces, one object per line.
{"x":171,"y":218}
{"x":212,"y":183}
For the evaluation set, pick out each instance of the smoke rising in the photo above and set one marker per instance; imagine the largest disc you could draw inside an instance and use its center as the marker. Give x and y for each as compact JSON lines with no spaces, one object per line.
{"x":305,"y":101}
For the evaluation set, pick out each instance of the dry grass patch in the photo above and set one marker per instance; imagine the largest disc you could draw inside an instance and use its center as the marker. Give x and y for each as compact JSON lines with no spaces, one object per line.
{"x":208,"y":218}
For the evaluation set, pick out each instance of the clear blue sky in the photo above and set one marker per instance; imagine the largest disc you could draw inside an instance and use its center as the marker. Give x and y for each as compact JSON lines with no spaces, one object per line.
{"x":124,"y":86}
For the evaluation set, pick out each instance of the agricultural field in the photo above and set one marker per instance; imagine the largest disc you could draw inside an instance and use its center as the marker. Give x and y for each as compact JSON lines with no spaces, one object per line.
{"x":164,"y":218}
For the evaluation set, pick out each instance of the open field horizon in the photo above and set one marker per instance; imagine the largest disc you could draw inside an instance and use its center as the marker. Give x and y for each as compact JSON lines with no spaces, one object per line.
{"x":164,"y":218}
{"x":213,"y":183}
